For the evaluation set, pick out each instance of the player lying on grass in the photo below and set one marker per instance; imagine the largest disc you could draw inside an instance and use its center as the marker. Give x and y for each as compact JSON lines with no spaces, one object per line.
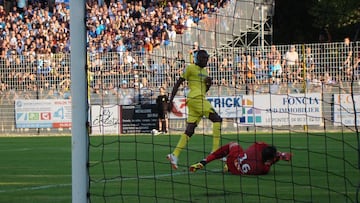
{"x":256,"y":160}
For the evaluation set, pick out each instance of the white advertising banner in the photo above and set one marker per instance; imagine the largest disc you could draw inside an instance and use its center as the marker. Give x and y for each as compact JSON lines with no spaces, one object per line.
{"x":292,"y":109}
{"x":47,"y":113}
{"x":343,"y":110}
{"x":226,"y":107}
{"x":263,"y":110}
{"x":179,"y":110}
{"x":105,"y":119}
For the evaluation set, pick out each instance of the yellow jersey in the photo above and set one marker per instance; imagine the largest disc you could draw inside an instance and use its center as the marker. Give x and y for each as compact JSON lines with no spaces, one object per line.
{"x":195,"y":76}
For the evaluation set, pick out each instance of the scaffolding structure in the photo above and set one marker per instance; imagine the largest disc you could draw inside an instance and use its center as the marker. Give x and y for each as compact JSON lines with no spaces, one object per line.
{"x":239,"y":23}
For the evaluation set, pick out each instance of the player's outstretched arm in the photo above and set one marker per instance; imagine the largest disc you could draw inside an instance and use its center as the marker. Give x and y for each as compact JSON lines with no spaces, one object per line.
{"x":174,"y":91}
{"x":176,"y":88}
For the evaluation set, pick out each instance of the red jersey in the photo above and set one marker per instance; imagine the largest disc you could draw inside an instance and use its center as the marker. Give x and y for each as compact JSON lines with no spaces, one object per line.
{"x":248,"y":162}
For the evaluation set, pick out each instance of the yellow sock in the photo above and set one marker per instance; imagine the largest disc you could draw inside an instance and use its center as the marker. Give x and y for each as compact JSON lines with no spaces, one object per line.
{"x":181,"y":144}
{"x":216,"y":136}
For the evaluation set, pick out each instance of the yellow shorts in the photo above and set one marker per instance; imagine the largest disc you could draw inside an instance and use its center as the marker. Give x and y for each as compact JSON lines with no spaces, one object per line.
{"x":197,"y":108}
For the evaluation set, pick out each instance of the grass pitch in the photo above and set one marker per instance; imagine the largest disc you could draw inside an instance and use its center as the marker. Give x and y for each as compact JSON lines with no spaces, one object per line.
{"x":134,"y":169}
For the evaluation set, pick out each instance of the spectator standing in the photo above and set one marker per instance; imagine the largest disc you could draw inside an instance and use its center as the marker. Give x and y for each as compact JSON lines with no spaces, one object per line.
{"x":310,"y":62}
{"x":226,"y":70}
{"x":120,"y":49}
{"x":177,"y":67}
{"x":291,"y":65}
{"x":345,"y":59}
{"x":165,"y":39}
{"x":180,"y":62}
{"x":193,"y":52}
{"x":172,"y":35}
{"x":313,"y":72}
{"x":162,"y":105}
{"x":188,"y":23}
{"x":260,"y":72}
{"x":250,"y":72}
{"x":273,"y":61}
{"x":126,"y":96}
{"x":146,"y":92}
{"x":153,"y":70}
{"x":163,"y":71}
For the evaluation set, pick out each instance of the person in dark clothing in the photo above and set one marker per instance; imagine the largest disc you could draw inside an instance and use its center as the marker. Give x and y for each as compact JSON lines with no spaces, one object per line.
{"x":162,"y":103}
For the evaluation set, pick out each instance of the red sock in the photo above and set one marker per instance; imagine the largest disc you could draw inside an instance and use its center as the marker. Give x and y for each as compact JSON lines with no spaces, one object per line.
{"x":219,"y":153}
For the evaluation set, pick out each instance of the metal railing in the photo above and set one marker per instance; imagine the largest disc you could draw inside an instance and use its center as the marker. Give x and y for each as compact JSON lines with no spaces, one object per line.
{"x":132,"y":77}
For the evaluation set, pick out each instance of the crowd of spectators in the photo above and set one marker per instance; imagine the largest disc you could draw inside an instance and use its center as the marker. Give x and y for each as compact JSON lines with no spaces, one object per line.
{"x":35,"y":34}
{"x":134,"y":26}
{"x":121,"y":37}
{"x":289,"y":67}
{"x":112,"y":26}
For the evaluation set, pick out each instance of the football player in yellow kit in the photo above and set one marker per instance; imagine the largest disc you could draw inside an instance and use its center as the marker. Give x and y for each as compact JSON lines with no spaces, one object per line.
{"x":198,"y":106}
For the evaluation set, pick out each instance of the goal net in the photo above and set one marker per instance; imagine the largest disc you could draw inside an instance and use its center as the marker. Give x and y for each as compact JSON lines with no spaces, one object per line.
{"x":302,"y":98}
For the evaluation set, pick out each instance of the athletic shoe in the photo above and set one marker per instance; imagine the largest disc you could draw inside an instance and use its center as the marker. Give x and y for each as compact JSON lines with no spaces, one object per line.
{"x":196,"y":166}
{"x":173,"y":160}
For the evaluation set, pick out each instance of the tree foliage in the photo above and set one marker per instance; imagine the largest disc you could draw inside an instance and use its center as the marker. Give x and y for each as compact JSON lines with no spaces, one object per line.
{"x":335,"y":13}
{"x":299,"y":21}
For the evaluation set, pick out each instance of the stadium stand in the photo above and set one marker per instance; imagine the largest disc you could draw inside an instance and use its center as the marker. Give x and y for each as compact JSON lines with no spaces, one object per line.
{"x":135,"y":48}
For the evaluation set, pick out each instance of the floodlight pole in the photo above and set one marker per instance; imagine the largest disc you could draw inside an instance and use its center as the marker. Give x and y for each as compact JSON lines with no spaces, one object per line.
{"x":263,"y":21}
{"x":262,"y":8}
{"x":79,"y":107}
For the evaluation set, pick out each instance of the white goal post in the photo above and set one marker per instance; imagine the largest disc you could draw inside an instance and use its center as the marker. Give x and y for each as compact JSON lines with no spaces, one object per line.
{"x":80,"y":104}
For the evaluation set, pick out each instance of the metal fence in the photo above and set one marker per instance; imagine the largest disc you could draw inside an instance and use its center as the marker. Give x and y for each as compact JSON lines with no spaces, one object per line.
{"x":132,"y":77}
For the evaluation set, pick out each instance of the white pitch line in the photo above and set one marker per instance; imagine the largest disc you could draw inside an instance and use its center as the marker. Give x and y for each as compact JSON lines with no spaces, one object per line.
{"x":35,"y":188}
{"x":124,"y":179}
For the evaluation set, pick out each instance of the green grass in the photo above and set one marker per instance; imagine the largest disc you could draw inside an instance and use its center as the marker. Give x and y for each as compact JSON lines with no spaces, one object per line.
{"x":134,"y":169}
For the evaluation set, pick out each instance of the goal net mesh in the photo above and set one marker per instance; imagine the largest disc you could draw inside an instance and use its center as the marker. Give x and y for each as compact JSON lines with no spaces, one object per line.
{"x":302,"y":98}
